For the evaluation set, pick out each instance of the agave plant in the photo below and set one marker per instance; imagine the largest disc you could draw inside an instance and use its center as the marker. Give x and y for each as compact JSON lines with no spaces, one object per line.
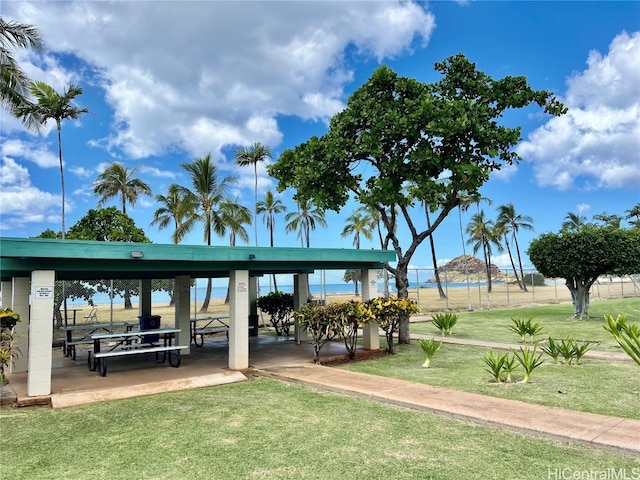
{"x":566,"y":349}
{"x":429,"y":347}
{"x":529,"y":361}
{"x":495,"y":364}
{"x":509,"y":366}
{"x":551,"y":349}
{"x":525,"y":328}
{"x":627,"y":335}
{"x":445,"y":322}
{"x":580,"y":348}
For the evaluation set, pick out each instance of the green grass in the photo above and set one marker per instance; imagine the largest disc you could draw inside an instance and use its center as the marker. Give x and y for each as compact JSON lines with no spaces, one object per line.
{"x":266,"y":429}
{"x":597,"y":386}
{"x":493,"y":325}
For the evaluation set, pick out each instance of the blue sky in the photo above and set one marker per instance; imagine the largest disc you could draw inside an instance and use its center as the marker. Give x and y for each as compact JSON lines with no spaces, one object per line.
{"x":167,"y":82}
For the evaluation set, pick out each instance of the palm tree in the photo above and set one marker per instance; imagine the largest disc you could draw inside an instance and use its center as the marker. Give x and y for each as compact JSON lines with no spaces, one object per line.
{"x":52,"y":105}
{"x":357,"y":224}
{"x":304,"y":220}
{"x":633,"y":216}
{"x":252,"y":156}
{"x":14,"y":82}
{"x":481,"y":236}
{"x":511,"y":222}
{"x":235,"y":216}
{"x":118,"y":180}
{"x":573,"y":222}
{"x":611,"y":220}
{"x":174,"y":209}
{"x":205,"y":196}
{"x":269,"y":208}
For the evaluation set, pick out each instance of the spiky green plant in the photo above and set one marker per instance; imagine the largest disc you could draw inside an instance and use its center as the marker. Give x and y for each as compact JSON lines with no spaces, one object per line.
{"x":495,"y":364}
{"x":627,"y":335}
{"x":566,"y":350}
{"x":529,"y":361}
{"x":525,"y":328}
{"x":445,"y":322}
{"x":580,"y":348}
{"x":551,"y":349}
{"x":429,"y":347}
{"x":509,"y":366}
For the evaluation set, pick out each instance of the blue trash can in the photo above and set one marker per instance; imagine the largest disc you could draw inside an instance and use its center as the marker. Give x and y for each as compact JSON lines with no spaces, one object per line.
{"x":150,"y":322}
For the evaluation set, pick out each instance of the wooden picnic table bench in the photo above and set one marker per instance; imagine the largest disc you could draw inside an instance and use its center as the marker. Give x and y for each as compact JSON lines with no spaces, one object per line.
{"x":129,"y":343}
{"x":86,"y":330}
{"x":207,"y":326}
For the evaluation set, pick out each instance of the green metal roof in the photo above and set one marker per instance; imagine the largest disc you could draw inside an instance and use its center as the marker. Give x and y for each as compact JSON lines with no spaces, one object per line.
{"x":92,"y":260}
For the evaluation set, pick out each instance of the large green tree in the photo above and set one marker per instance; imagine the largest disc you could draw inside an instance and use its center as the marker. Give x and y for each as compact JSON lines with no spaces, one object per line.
{"x":482,"y":233}
{"x":14,"y":82}
{"x":304,"y":220}
{"x":53,"y":106}
{"x":397,"y":131}
{"x":580,"y":257}
{"x":118,"y":180}
{"x":208,"y":190}
{"x":173,"y":210}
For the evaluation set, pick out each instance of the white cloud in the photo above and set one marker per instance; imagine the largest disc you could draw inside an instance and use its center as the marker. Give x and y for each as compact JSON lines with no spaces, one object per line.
{"x":34,"y":152}
{"x":597,"y":143}
{"x":22,"y":203}
{"x":583,"y":207}
{"x":224,"y":79}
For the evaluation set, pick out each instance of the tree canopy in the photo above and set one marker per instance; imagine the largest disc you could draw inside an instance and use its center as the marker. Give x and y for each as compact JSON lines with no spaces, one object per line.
{"x":442,"y":139}
{"x":580,"y":257}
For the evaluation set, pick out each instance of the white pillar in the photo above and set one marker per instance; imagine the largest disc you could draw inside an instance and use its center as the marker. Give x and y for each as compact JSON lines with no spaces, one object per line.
{"x":239,"y":319}
{"x":5,"y":291}
{"x":20,"y":304}
{"x":40,"y":333}
{"x":182,"y":294}
{"x":300,"y":288}
{"x":371,"y":331}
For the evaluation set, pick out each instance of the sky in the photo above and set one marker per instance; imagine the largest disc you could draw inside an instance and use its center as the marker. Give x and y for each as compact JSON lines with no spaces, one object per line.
{"x":170,"y":81}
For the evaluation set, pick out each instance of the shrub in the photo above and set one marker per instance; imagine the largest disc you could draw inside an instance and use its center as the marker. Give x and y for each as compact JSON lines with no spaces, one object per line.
{"x":348,"y":318}
{"x":552,"y":349}
{"x":533,"y":279}
{"x":495,"y":364}
{"x":389,"y":311}
{"x":445,"y":322}
{"x":279,"y":306}
{"x":8,"y":351}
{"x":320,"y":324}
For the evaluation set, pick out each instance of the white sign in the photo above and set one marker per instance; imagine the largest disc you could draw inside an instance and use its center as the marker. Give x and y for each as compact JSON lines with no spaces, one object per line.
{"x":44,"y":292}
{"x":241,"y":287}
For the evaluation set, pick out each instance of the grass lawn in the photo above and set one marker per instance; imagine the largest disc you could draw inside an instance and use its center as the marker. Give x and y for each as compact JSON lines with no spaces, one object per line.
{"x":597,"y":386}
{"x":266,"y":429}
{"x":493,"y":325}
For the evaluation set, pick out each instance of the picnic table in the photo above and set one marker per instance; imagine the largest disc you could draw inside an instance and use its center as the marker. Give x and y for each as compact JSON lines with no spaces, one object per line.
{"x":207,"y":326}
{"x":84,"y":331}
{"x":134,"y":342}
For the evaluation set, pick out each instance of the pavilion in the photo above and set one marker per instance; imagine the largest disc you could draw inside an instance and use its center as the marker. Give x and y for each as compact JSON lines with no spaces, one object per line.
{"x":29,"y":268}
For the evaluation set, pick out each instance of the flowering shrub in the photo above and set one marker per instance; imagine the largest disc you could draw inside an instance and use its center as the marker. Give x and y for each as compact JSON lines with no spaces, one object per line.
{"x":279,"y":306}
{"x":389,"y":311}
{"x":8,"y":353}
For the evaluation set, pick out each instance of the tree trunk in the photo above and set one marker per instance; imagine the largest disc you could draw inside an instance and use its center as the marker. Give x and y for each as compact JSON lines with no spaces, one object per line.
{"x":524,"y":285}
{"x":513,"y":265}
{"x":356,"y":293}
{"x":207,"y":297}
{"x":436,"y":272}
{"x":402,"y":286}
{"x":127,"y":300}
{"x":579,"y":289}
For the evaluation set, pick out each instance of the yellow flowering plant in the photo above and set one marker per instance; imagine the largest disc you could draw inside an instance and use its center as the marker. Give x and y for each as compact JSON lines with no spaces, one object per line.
{"x":388,"y":312}
{"x":8,"y":352}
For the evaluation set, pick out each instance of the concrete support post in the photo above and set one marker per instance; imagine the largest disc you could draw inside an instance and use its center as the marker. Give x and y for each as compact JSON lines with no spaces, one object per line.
{"x":182,"y":294}
{"x":300,"y":288}
{"x":239,"y":319}
{"x":40,"y":333}
{"x":5,"y":291}
{"x":144,"y":308}
{"x":19,"y":303}
{"x":371,"y":331}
